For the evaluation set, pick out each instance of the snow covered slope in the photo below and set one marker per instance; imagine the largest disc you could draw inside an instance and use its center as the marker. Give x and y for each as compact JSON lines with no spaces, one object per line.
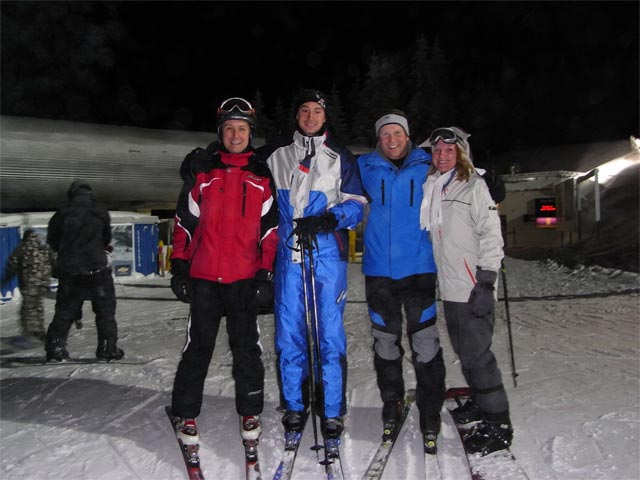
{"x":575,"y":409}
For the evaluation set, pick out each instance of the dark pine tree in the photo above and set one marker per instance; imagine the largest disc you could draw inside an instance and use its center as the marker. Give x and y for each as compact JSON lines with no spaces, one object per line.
{"x":264,"y":128}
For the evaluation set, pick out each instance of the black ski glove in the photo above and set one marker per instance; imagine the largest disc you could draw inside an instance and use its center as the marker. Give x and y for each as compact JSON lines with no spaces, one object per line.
{"x":481,"y":298}
{"x":264,"y":290}
{"x":180,"y":280}
{"x":309,"y":226}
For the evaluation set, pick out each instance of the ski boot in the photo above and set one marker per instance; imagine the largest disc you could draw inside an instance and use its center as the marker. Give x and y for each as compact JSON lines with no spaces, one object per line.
{"x":430,"y":427}
{"x":331,"y":430}
{"x":468,"y":412}
{"x":293,"y":421}
{"x":391,"y":416}
{"x":332,"y":427}
{"x":250,"y":427}
{"x":56,"y":351}
{"x":187,"y":431}
{"x":488,"y":437}
{"x":107,"y":353}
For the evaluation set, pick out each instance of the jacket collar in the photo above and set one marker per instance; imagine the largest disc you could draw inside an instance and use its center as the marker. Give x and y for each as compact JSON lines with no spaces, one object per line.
{"x":235,"y":159}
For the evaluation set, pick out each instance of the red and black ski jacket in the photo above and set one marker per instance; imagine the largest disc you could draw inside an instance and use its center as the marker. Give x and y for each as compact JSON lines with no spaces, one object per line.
{"x":226,"y":221}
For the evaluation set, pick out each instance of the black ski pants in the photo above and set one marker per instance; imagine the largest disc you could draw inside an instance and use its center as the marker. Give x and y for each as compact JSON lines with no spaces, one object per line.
{"x":73,"y":291}
{"x":211,"y":301}
{"x":386,"y":299}
{"x":471,"y":339}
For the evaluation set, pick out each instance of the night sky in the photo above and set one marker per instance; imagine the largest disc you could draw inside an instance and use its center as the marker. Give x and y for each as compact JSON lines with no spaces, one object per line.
{"x":574,"y":65}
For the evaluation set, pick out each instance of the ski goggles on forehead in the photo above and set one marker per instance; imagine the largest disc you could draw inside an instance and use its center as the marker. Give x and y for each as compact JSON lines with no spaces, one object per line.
{"x":447,"y":135}
{"x":236,"y":104}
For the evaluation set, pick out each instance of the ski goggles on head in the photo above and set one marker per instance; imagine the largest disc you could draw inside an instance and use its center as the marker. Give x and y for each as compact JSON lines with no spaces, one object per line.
{"x":447,"y":135}
{"x":236,"y":104}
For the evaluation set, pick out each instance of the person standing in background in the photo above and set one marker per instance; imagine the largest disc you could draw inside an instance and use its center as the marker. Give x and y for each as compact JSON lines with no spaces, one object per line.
{"x":80,"y":235}
{"x":400,"y":274}
{"x":31,"y":261}
{"x":462,"y":220}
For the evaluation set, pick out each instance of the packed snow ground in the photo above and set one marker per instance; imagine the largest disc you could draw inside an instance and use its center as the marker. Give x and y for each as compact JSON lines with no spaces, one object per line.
{"x":575,"y":409}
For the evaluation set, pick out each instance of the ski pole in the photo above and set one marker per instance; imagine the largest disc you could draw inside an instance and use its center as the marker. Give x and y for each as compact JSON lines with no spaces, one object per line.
{"x":318,"y":351}
{"x":310,"y":343}
{"x":506,"y":309}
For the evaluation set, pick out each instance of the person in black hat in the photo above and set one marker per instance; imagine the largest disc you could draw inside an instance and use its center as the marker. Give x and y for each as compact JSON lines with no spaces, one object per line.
{"x":320,"y":197}
{"x":80,"y":235}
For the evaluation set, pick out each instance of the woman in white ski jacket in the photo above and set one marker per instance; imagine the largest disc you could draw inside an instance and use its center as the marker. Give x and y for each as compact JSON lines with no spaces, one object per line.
{"x":464,"y":225}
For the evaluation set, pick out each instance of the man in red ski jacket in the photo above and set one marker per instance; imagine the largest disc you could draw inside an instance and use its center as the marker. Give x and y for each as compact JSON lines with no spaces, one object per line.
{"x":224,"y":246}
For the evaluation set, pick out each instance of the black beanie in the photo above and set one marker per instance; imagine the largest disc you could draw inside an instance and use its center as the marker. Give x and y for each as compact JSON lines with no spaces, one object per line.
{"x":79,"y":187}
{"x":311,"y":96}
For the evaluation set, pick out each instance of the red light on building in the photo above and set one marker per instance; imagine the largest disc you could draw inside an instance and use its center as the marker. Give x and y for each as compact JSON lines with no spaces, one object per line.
{"x":546,"y":222}
{"x":546,"y":212}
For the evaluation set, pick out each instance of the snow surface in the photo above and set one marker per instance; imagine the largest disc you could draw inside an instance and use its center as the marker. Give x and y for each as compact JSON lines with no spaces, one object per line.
{"x":575,"y":409}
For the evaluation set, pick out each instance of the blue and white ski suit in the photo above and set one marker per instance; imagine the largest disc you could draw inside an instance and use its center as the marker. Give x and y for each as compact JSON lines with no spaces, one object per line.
{"x":313,"y":175}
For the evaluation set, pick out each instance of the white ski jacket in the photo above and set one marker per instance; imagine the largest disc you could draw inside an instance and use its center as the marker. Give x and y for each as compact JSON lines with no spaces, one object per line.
{"x":464,"y":225}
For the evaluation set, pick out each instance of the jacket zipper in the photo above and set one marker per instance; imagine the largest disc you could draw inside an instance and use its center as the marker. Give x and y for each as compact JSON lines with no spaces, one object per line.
{"x":411,"y":194}
{"x":244,"y":196}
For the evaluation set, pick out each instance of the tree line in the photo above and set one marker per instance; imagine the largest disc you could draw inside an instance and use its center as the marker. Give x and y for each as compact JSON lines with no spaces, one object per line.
{"x":415,"y":81}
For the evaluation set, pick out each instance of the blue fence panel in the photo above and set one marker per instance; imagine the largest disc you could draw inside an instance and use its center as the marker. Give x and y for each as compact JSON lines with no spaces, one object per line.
{"x":146,"y":248}
{"x":9,"y":240}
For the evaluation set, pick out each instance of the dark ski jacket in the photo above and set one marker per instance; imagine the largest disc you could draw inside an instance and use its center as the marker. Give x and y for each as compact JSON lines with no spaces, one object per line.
{"x":80,"y":233}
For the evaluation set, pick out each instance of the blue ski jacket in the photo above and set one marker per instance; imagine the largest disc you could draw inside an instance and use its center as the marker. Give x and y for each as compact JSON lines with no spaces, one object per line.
{"x":394,"y":244}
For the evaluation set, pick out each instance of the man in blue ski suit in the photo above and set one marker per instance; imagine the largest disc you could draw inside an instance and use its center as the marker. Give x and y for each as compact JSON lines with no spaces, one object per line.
{"x":400,"y":274}
{"x":316,"y":181}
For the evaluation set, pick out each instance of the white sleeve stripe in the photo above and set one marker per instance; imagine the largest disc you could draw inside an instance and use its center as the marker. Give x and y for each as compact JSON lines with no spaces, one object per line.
{"x":266,"y":234}
{"x":184,"y":229}
{"x":266,"y":206}
{"x":256,"y":185}
{"x":194,"y":208}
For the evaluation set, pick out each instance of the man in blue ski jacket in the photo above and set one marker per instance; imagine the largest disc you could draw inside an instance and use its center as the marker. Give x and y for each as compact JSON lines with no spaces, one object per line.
{"x":400,"y":273}
{"x":318,"y":193}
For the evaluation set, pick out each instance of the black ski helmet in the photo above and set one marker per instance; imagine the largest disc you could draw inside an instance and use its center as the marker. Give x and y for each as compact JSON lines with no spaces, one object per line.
{"x":235,"y":108}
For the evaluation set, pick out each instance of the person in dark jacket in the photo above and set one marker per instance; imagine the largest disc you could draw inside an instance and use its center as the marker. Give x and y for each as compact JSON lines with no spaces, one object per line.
{"x":400,"y":275}
{"x":31,"y":261}
{"x":224,"y":245}
{"x":80,"y":235}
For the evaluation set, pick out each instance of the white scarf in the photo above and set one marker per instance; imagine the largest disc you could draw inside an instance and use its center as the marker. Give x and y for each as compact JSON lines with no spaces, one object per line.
{"x":431,"y":206}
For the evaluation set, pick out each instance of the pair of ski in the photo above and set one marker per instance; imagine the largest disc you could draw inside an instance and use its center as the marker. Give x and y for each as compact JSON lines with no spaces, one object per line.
{"x":331,"y":462}
{"x":383,"y":452}
{"x":496,"y":464}
{"x":451,"y":460}
{"x":21,"y":361}
{"x":191,"y":456}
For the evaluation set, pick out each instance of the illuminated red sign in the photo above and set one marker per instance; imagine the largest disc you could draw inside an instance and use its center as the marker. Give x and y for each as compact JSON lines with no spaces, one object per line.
{"x":545,"y":207}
